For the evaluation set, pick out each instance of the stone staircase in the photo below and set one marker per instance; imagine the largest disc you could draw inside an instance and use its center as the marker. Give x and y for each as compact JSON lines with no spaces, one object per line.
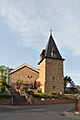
{"x":17,"y":98}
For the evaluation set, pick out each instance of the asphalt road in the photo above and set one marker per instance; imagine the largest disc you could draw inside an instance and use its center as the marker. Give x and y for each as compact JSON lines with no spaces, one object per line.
{"x":49,"y":112}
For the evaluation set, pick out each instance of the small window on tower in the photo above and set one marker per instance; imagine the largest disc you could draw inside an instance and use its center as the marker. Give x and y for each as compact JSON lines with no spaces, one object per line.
{"x":53,"y":78}
{"x":53,"y":53}
{"x":53,"y":87}
{"x":28,"y":76}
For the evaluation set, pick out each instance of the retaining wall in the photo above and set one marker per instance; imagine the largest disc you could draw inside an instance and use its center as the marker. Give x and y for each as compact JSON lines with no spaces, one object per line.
{"x":38,"y":101}
{"x":5,"y":101}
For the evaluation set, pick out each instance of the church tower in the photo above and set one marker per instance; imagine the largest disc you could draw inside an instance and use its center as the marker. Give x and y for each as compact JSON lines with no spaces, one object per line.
{"x":51,"y":68}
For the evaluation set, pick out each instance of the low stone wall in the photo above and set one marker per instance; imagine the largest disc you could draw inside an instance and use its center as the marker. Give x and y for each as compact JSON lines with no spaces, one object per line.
{"x":38,"y":101}
{"x":5,"y":101}
{"x":77,"y":105}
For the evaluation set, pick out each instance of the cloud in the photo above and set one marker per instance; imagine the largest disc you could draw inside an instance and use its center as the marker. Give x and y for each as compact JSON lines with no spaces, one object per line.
{"x":26,"y":23}
{"x":31,"y":21}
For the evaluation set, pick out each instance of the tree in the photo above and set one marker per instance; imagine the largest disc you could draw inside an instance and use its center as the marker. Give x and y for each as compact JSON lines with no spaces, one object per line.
{"x":68,"y":80}
{"x":4,"y":73}
{"x":2,"y":88}
{"x":78,"y":87}
{"x":3,"y":70}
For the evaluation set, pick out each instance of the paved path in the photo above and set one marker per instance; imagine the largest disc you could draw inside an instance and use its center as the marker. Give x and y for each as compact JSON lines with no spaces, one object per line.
{"x":49,"y":112}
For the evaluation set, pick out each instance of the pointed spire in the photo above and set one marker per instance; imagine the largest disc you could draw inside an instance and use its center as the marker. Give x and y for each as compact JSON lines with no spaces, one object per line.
{"x":51,"y":50}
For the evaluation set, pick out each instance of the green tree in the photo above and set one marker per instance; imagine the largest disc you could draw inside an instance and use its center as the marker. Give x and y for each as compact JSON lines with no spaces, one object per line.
{"x":2,"y":88}
{"x":4,"y":73}
{"x":3,"y":70}
{"x":78,"y":87}
{"x":68,"y":80}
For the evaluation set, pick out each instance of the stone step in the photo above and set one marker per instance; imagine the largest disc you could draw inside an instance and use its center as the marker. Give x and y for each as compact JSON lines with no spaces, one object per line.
{"x":17,"y":98}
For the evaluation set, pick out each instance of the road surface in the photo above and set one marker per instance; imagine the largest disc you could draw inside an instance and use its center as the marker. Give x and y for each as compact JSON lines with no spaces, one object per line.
{"x":46,"y":112}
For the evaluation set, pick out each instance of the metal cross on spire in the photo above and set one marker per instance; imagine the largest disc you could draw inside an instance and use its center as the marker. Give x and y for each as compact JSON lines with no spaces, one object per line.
{"x":51,"y":31}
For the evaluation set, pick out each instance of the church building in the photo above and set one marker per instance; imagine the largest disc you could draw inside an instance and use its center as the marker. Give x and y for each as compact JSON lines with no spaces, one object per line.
{"x":51,"y":68}
{"x":50,"y":73}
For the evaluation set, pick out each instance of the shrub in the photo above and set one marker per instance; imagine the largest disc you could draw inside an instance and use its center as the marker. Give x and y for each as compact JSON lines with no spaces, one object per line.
{"x":1,"y":84}
{"x":40,"y":95}
{"x":18,"y":83}
{"x":69,"y":95}
{"x":3,"y":79}
{"x":45,"y":95}
{"x":30,"y":92}
{"x":48,"y":95}
{"x":23,"y":87}
{"x":5,"y":95}
{"x":2,"y":88}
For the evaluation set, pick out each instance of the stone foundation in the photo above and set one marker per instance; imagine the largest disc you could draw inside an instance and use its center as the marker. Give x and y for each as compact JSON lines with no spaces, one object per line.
{"x":77,"y":104}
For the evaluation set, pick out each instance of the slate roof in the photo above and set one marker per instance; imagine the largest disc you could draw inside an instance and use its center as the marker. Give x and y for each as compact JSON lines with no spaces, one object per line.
{"x":51,"y":50}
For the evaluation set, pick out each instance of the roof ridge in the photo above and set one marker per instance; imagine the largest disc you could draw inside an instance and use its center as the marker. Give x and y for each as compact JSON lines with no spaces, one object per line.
{"x":25,"y":64}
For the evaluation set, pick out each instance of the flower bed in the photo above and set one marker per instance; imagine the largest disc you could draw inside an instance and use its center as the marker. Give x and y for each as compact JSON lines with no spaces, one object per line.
{"x":49,"y":99}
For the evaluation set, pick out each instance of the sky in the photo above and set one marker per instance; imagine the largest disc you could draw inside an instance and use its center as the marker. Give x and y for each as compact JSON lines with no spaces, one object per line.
{"x":25,"y":28}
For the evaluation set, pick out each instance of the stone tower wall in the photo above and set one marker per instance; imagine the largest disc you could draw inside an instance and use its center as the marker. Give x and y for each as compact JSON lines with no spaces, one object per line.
{"x":42,"y":75}
{"x":54,"y":76}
